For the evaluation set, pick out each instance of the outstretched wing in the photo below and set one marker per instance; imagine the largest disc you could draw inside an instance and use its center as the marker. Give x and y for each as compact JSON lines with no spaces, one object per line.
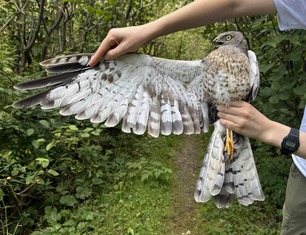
{"x":144,"y":92}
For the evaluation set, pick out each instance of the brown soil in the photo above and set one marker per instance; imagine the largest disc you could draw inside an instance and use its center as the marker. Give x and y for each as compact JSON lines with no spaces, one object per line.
{"x":187,"y":165}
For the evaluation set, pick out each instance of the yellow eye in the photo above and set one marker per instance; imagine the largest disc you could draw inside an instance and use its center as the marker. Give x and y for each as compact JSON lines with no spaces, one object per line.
{"x":228,"y":37}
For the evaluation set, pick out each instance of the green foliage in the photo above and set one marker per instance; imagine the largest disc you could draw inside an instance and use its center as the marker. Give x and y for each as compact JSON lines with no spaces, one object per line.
{"x":65,"y":165}
{"x":254,"y":219}
{"x":62,"y":176}
{"x":149,"y":170}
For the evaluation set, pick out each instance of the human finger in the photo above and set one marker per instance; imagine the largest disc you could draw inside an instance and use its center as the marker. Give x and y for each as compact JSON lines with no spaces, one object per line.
{"x":228,"y":124}
{"x":227,"y":110}
{"x":236,"y":108}
{"x":99,"y":54}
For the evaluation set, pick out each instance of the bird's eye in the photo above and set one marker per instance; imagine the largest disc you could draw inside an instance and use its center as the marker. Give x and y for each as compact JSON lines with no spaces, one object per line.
{"x":228,"y":37}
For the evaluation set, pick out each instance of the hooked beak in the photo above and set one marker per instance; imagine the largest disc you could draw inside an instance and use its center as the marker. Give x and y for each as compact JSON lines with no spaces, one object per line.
{"x":216,"y":42}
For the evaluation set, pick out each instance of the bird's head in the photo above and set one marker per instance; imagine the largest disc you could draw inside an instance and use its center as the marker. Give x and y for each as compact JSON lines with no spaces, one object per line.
{"x":234,"y":38}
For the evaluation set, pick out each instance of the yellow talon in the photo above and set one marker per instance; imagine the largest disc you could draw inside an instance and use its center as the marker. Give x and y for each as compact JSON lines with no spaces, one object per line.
{"x":229,"y":143}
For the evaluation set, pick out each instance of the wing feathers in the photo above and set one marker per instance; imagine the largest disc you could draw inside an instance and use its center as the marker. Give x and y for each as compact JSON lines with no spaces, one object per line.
{"x":177,"y":121}
{"x":48,"y":81}
{"x":145,"y":93}
{"x":154,"y":117}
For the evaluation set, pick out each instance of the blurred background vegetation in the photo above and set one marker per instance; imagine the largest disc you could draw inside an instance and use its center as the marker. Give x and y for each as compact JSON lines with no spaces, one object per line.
{"x":62,"y":176}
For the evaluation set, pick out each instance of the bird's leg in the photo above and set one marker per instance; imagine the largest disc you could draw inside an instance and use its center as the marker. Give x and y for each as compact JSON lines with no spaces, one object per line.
{"x":229,"y":143}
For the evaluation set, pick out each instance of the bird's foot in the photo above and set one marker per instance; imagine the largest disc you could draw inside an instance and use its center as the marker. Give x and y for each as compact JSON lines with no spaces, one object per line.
{"x":229,"y":144}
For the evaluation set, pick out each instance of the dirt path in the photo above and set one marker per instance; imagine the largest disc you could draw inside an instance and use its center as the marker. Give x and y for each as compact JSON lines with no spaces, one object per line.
{"x":187,"y":165}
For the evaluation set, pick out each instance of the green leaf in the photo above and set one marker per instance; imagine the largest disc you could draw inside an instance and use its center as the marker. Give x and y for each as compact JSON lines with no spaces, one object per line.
{"x":50,"y":146}
{"x":266,"y":91}
{"x":266,"y":67}
{"x":53,"y":172}
{"x":84,"y":135}
{"x":83,"y":192}
{"x":7,"y":154}
{"x":96,"y":133}
{"x":44,"y":162}
{"x":40,"y":181}
{"x":35,"y":144}
{"x":144,"y":177}
{"x":130,"y":231}
{"x":1,"y":194}
{"x":29,"y":179}
{"x":284,"y":96}
{"x":73,"y":127}
{"x":89,"y":129}
{"x":45,"y":123}
{"x":97,"y":181}
{"x":14,"y":172}
{"x":38,"y":142}
{"x":68,"y":200}
{"x":91,"y":10}
{"x":62,"y":189}
{"x":276,"y":86}
{"x":274,"y":99}
{"x":30,"y":131}
{"x":294,"y":39}
{"x":274,"y":41}
{"x":51,"y":215}
{"x":300,"y":90}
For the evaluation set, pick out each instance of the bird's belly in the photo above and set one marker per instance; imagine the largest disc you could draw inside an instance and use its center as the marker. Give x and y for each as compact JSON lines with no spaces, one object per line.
{"x":225,"y":90}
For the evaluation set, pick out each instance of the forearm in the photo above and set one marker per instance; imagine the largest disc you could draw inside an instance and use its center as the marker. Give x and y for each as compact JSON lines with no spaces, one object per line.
{"x":243,"y":118}
{"x":204,"y":12}
{"x":275,"y":134}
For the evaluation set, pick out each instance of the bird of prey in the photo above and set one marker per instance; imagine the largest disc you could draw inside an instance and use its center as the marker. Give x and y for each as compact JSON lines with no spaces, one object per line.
{"x":163,"y":96}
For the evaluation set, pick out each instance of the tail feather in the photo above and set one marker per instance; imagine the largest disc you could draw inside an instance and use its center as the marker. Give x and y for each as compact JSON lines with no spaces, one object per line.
{"x":212,"y":172}
{"x":226,"y":179}
{"x":224,"y":199}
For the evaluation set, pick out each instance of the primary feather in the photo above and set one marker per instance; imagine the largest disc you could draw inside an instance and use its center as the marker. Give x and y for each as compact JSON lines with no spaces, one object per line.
{"x":163,"y":96}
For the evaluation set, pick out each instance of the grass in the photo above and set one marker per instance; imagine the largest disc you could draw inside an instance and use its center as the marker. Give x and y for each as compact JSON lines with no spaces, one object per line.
{"x":140,"y":210}
{"x":137,"y":205}
{"x":256,"y":219}
{"x":141,"y":206}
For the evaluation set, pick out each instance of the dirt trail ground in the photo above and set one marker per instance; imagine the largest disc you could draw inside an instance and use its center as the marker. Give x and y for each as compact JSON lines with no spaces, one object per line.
{"x":187,"y":165}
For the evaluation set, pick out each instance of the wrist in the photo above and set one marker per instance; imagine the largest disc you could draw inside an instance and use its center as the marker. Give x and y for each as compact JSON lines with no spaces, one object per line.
{"x":275,"y":134}
{"x":156,"y":28}
{"x":291,"y":142}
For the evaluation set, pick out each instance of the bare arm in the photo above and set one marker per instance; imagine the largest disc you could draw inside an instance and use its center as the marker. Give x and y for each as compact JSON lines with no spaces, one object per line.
{"x":244,"y":119}
{"x":195,"y":14}
{"x":204,"y":12}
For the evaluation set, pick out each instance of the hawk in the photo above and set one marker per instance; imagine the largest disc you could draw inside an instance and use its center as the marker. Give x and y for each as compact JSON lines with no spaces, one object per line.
{"x":163,"y":96}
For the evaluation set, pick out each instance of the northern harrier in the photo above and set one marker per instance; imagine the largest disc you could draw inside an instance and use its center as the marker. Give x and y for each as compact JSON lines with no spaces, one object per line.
{"x":164,"y":96}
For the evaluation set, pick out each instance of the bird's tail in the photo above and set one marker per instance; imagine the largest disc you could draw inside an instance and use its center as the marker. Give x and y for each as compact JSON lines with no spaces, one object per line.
{"x":226,"y":179}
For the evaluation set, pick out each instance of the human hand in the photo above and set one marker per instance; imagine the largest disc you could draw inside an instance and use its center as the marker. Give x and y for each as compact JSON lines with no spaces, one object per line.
{"x":120,"y":41}
{"x":244,"y":119}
